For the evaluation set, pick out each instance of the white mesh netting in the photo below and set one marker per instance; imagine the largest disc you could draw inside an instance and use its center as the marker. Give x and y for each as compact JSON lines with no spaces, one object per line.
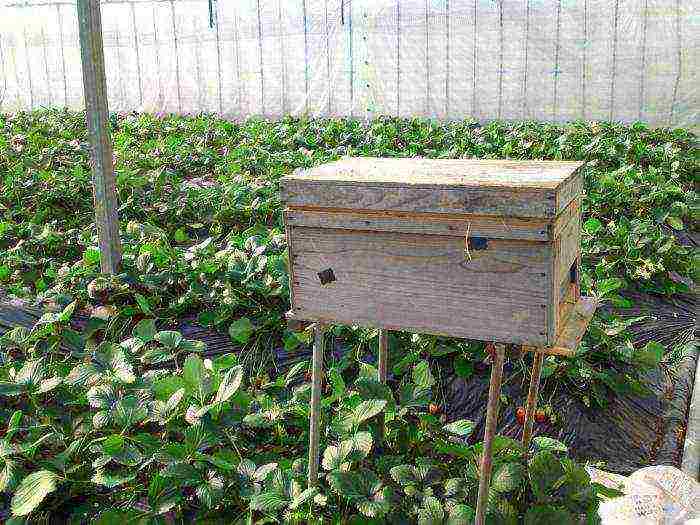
{"x":544,"y":59}
{"x":656,"y":495}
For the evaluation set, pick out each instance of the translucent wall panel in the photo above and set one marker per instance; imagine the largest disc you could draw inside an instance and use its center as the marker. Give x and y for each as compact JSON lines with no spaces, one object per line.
{"x":556,"y":60}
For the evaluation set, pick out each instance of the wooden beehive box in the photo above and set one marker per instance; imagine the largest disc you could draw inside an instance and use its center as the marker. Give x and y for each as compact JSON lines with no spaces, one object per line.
{"x":481,"y":249}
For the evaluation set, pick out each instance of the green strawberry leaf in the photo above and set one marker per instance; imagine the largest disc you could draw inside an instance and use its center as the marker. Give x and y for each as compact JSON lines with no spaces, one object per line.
{"x":32,"y":491}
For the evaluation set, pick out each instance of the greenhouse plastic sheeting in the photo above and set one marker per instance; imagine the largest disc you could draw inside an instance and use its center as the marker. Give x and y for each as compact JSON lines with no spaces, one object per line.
{"x":555,"y":60}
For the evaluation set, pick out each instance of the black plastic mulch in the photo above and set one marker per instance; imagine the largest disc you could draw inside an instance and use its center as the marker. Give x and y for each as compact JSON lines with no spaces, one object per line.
{"x":629,"y":433}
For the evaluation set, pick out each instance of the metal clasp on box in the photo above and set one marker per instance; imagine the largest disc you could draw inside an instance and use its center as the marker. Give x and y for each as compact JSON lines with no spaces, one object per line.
{"x":474,"y":244}
{"x":326,"y":276}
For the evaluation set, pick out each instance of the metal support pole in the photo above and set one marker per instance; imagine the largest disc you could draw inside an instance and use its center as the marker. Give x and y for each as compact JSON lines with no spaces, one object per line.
{"x":383,"y":368}
{"x":489,"y":432}
{"x":532,"y":397}
{"x":315,"y":419}
{"x":96,"y":113}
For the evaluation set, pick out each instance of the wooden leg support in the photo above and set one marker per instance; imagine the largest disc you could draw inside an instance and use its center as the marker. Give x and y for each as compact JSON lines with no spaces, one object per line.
{"x":383,"y":362}
{"x":489,"y":433}
{"x":383,"y":368}
{"x":532,"y":397}
{"x":315,"y":419}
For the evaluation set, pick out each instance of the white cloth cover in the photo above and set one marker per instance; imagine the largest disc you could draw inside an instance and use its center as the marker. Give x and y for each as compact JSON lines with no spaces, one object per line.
{"x":656,"y":495}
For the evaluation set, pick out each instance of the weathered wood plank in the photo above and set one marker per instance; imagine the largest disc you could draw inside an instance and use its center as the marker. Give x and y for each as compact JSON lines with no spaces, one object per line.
{"x":567,"y":248}
{"x":542,"y":174}
{"x":552,"y":297}
{"x":422,"y":283}
{"x":570,"y":189}
{"x":291,"y":266}
{"x":474,"y":200}
{"x":574,"y":327}
{"x":562,"y":220}
{"x":567,"y":298}
{"x":426,"y":223}
{"x":483,"y":187}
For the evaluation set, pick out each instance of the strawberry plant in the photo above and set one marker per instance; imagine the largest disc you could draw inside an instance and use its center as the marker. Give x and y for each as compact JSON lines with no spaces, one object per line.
{"x":111,"y":414}
{"x":108,"y":434}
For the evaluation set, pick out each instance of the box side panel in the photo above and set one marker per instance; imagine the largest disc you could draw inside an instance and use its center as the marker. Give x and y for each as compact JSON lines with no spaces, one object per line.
{"x":569,"y":248}
{"x":427,"y":223}
{"x":289,"y":231}
{"x":564,"y":218}
{"x":569,"y":190}
{"x":422,"y":283}
{"x":498,"y":201}
{"x":565,"y":274}
{"x":552,"y":295}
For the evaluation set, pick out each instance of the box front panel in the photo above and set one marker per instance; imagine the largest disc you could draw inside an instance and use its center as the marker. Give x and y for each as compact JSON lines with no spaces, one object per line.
{"x":422,"y":283}
{"x":506,"y":202}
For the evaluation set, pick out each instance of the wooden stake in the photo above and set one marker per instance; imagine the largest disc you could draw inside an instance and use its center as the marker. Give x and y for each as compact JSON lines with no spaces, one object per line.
{"x":489,"y":433}
{"x":383,"y":364}
{"x":532,"y":397}
{"x":383,"y":368}
{"x":96,"y":114}
{"x":315,"y":419}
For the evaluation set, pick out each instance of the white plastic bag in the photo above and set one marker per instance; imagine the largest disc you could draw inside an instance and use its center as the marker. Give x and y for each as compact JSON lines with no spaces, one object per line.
{"x":657,"y":495}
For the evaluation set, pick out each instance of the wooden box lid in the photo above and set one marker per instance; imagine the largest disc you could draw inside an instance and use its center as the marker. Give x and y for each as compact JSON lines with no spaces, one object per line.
{"x":513,"y":188}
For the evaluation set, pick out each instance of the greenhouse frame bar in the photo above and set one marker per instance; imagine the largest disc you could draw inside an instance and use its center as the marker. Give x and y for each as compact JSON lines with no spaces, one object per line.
{"x":97,"y":117}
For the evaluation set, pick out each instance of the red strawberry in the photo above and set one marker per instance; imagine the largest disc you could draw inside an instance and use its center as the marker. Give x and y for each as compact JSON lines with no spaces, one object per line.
{"x":540,"y":416}
{"x":520,"y":415}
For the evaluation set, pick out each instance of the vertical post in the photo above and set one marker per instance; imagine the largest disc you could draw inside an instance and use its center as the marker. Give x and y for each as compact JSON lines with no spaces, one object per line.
{"x":383,"y":368}
{"x":315,"y":419}
{"x":383,"y":362}
{"x":96,"y":114}
{"x":532,"y":397}
{"x":489,"y":432}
